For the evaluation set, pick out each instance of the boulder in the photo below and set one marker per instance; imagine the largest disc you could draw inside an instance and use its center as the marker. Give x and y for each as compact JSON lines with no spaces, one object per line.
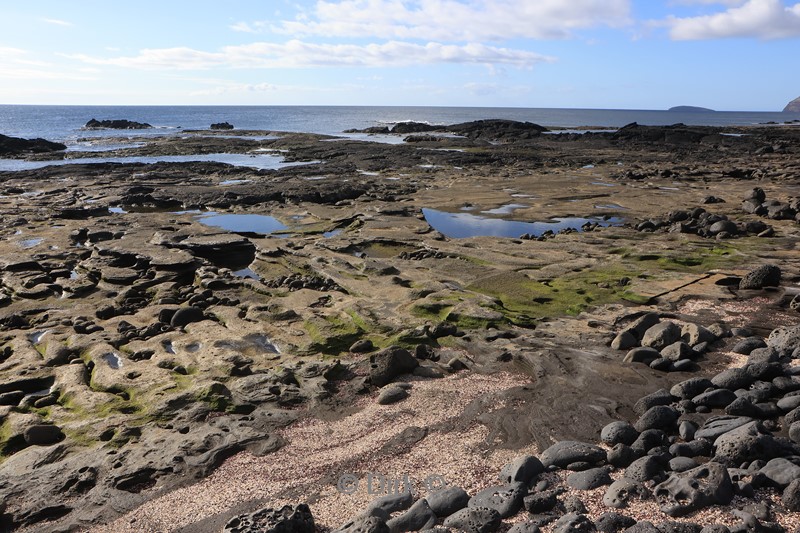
{"x":505,"y":499}
{"x":574,"y":523}
{"x":418,"y":517}
{"x":523,"y":469}
{"x":657,"y":417}
{"x":785,"y":340}
{"x":119,"y":124}
{"x":13,"y":146}
{"x":564,"y":453}
{"x":284,"y":520}
{"x":745,"y":443}
{"x":618,"y":431}
{"x":613,"y":522}
{"x":447,"y":501}
{"x":185,"y":316}
{"x":390,"y":363}
{"x":661,"y":335}
{"x":660,"y":397}
{"x":589,"y":479}
{"x":392,"y":393}
{"x":222,"y":126}
{"x":690,"y":388}
{"x":685,"y":492}
{"x":474,"y":520}
{"x":760,"y":277}
{"x":780,"y":472}
{"x":622,"y":491}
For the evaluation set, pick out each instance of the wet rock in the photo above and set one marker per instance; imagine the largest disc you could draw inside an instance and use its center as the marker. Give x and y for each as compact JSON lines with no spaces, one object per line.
{"x":505,"y":499}
{"x":760,"y":277}
{"x":390,"y":363}
{"x":447,"y":501}
{"x":474,"y":520}
{"x":564,"y":453}
{"x":622,"y":491}
{"x":685,"y":492}
{"x":284,"y":520}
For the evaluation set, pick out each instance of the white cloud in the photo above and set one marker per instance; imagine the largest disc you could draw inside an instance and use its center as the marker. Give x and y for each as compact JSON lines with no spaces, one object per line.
{"x":454,"y":20}
{"x":233,"y":88}
{"x":299,"y":54}
{"x":762,"y":19}
{"x":58,"y":22}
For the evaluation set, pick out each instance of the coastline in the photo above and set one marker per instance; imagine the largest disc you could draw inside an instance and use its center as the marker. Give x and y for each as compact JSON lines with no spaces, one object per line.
{"x":160,"y":336}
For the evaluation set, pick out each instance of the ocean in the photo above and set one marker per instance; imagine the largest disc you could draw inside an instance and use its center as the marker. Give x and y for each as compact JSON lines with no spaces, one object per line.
{"x":64,"y":123}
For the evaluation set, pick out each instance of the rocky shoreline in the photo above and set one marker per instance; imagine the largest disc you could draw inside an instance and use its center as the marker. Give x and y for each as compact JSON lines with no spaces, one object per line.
{"x":159,"y":318}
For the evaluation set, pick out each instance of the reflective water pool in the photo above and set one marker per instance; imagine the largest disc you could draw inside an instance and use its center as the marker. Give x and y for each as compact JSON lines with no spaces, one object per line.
{"x":260,"y":224}
{"x":463,"y":225}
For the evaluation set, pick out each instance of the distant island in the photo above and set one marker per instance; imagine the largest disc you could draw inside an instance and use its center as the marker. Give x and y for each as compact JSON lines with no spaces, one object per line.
{"x":690,"y":109}
{"x":793,"y":106}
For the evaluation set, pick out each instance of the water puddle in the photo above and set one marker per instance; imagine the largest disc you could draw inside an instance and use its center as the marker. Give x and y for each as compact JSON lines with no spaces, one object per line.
{"x":463,"y":225}
{"x":261,"y":161}
{"x":669,"y":188}
{"x":609,"y":206}
{"x":521,"y":195}
{"x":30,"y":243}
{"x":505,"y":210}
{"x":193,"y":347}
{"x":250,"y":345}
{"x":37,"y":336}
{"x":168,"y":347}
{"x":333,"y":233}
{"x":258,"y":224}
{"x":604,"y":184}
{"x":113,"y":360}
{"x":233,"y":182}
{"x":117,"y":210}
{"x":247,"y":273}
{"x":587,"y":166}
{"x":89,"y":146}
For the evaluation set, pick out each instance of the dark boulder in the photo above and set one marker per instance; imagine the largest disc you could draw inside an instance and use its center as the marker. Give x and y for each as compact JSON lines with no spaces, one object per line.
{"x":222,"y":126}
{"x":505,"y":499}
{"x":685,"y":492}
{"x":13,"y":146}
{"x":390,"y":363}
{"x":287,"y":519}
{"x":119,"y":124}
{"x":447,"y":501}
{"x":564,"y":453}
{"x":760,"y":277}
{"x":474,"y":520}
{"x":185,"y":316}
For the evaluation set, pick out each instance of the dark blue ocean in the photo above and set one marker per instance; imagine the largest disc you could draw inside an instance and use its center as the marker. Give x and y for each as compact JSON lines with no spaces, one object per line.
{"x":63,"y":123}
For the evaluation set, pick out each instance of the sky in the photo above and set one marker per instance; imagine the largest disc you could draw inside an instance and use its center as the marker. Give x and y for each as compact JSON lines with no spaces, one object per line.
{"x":613,"y":54}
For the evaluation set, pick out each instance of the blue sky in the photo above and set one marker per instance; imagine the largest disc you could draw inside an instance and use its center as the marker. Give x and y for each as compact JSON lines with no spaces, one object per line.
{"x":626,"y":54}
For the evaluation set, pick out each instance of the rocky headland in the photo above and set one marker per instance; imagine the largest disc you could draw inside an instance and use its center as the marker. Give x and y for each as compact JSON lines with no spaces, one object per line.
{"x":192,"y":346}
{"x":793,"y":106}
{"x":116,"y":124}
